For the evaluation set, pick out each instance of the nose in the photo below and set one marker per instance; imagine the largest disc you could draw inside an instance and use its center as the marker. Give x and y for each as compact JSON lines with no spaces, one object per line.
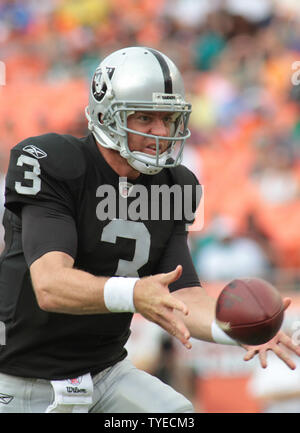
{"x":159,"y":127}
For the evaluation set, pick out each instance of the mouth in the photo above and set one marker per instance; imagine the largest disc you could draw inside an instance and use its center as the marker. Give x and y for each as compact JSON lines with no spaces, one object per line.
{"x":151,"y":149}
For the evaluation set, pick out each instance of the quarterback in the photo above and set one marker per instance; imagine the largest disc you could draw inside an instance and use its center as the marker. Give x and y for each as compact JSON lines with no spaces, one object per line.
{"x":70,"y":280}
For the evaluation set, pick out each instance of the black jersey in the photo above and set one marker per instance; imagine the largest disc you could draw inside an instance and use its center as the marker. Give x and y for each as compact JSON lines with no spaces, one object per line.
{"x":67,"y":183}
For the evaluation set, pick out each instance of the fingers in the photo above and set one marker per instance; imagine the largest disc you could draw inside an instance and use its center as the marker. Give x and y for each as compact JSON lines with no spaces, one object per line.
{"x":175,"y":327}
{"x":153,"y":300}
{"x":263,"y":358}
{"x":287,"y":341}
{"x":250,"y":354}
{"x":286,"y":302}
{"x":173,"y":303}
{"x":171,"y":322}
{"x":262,"y":354}
{"x":277,"y":349}
{"x":170,"y":301}
{"x":284,"y":356}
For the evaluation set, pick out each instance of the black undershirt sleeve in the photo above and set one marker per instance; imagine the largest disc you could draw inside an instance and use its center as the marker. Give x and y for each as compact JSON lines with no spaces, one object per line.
{"x":47,"y":228}
{"x":177,"y":253}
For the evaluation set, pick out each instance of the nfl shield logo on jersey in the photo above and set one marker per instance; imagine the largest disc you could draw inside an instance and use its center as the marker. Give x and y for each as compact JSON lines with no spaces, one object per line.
{"x":75,"y":381}
{"x":125,"y":189}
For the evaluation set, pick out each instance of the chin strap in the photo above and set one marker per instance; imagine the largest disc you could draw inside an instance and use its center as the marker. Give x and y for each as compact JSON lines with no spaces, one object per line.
{"x":143,"y":168}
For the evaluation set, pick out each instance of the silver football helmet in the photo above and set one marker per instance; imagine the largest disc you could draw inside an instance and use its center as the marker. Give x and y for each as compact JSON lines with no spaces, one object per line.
{"x":138,"y":79}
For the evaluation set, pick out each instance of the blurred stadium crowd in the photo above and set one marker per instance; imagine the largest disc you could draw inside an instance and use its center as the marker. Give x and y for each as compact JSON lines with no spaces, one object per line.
{"x":239,"y":62}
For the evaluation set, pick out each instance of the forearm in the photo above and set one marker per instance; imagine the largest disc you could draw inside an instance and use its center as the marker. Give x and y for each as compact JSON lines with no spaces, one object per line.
{"x":75,"y":292}
{"x":65,"y":289}
{"x":201,"y":311}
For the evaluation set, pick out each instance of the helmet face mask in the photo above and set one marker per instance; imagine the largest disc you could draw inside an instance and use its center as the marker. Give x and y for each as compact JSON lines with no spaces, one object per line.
{"x":138,"y":79}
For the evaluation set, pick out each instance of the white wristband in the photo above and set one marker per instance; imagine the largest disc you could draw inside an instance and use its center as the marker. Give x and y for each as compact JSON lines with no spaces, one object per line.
{"x":118,"y":294}
{"x":219,"y":336}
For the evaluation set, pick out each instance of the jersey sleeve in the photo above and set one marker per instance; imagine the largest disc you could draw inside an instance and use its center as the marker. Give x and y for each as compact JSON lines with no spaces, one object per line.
{"x":191,"y":192}
{"x":40,"y":171}
{"x":177,"y":252}
{"x":45,"y":229}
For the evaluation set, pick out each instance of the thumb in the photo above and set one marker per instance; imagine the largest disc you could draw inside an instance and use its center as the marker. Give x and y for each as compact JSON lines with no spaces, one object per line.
{"x":172,"y":276}
{"x":286,"y":302}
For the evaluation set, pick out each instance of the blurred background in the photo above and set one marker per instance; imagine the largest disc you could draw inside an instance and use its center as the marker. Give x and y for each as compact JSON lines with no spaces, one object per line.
{"x":241,"y":65}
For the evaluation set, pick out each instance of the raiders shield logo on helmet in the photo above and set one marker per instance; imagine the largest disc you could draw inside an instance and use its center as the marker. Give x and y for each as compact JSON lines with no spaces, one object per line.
{"x":99,"y":86}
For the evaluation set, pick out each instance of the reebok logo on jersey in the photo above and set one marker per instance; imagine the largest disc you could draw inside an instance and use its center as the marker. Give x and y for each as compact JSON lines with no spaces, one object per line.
{"x":35,"y":151}
{"x":5,"y":399}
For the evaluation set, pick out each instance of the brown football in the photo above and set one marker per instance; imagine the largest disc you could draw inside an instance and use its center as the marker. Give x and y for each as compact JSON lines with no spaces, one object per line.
{"x":250,"y":310}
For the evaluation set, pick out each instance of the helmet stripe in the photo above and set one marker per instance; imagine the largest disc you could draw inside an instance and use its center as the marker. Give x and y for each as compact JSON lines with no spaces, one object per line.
{"x":165,"y":70}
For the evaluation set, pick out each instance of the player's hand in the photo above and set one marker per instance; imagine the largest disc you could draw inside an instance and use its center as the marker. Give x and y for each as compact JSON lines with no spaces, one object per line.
{"x":153,"y":300}
{"x":277,"y":344}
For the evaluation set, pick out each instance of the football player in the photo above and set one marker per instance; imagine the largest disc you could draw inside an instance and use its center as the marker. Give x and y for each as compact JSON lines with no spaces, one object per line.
{"x":75,"y":268}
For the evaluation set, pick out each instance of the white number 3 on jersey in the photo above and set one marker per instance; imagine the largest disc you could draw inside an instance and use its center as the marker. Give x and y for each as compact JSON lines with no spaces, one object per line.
{"x":32,"y":175}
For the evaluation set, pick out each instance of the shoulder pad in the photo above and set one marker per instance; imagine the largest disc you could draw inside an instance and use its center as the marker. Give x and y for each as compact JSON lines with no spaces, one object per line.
{"x":183,"y":176}
{"x":61,"y":156}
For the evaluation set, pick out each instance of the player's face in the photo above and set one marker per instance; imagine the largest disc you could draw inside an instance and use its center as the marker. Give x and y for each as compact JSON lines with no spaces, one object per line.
{"x":154,"y":123}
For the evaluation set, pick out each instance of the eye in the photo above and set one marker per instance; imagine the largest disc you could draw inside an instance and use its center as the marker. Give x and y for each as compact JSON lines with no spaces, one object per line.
{"x":144,"y":118}
{"x":168,"y":119}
